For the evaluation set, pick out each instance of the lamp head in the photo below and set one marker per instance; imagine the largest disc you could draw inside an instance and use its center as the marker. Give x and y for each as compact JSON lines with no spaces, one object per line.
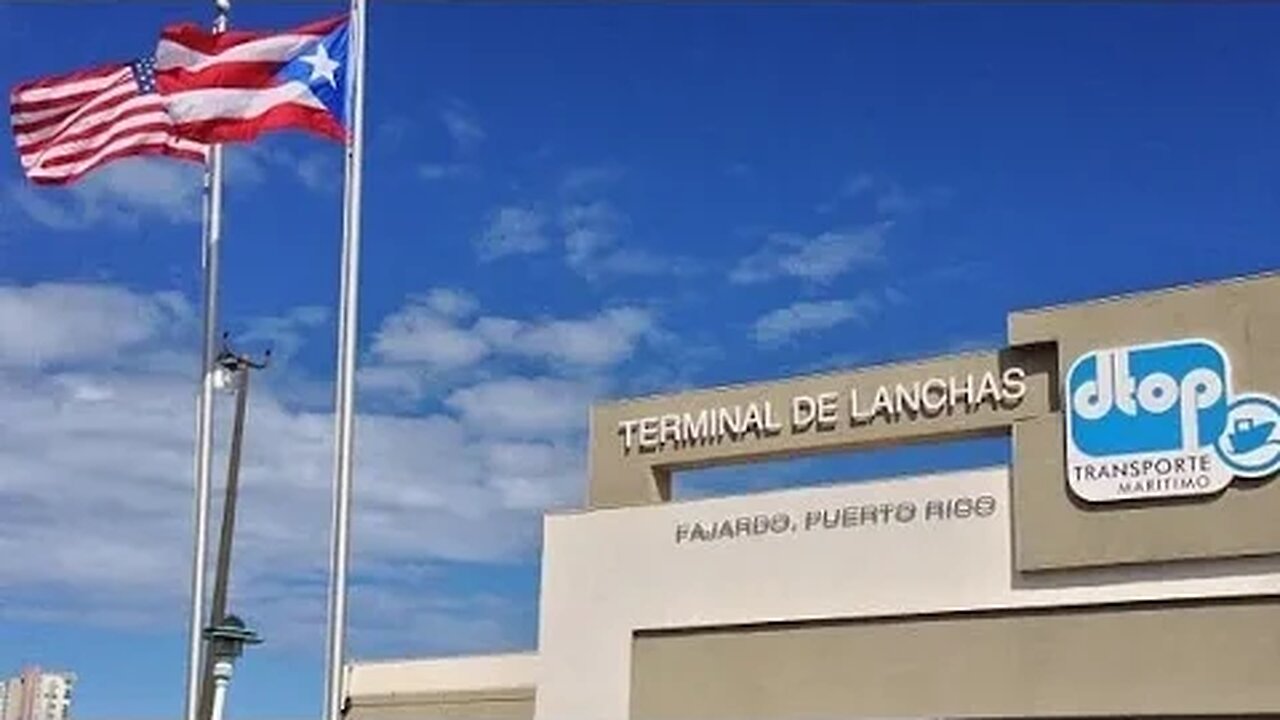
{"x":224,"y":378}
{"x":228,"y":638}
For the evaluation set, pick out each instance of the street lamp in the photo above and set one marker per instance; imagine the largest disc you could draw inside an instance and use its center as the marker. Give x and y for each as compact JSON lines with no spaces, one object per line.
{"x":226,"y":643}
{"x":231,"y":374}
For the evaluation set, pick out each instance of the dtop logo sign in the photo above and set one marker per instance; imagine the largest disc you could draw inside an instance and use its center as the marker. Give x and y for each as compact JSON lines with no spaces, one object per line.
{"x":1160,"y":420}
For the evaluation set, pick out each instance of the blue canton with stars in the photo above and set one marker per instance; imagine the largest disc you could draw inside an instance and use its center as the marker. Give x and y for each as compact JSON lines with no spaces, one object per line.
{"x":144,"y":74}
{"x":302,"y":68}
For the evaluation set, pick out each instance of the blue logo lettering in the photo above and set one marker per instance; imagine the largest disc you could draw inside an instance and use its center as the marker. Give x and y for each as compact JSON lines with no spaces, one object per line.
{"x":1162,"y":420}
{"x":1170,"y":397}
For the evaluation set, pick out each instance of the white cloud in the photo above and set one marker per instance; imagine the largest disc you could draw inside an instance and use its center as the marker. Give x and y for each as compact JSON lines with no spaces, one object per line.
{"x":121,"y":193}
{"x":896,"y":200}
{"x":853,"y":187}
{"x":819,"y":259}
{"x":319,"y":172}
{"x":605,"y":339}
{"x":887,"y":196}
{"x":523,"y":407}
{"x":98,"y":507}
{"x":405,"y":383}
{"x":827,"y":363}
{"x":513,"y":230}
{"x":61,"y":323}
{"x":419,"y":334}
{"x":393,"y":130}
{"x":462,"y":126}
{"x":591,"y":177}
{"x":592,"y":233}
{"x":133,"y":190}
{"x":857,"y":185}
{"x":592,"y":245}
{"x":589,"y":230}
{"x":146,"y":186}
{"x":450,"y":302}
{"x":783,"y":324}
{"x":95,"y":491}
{"x":252,"y":165}
{"x":405,"y":617}
{"x":431,"y":330}
{"x":246,"y":165}
{"x":46,"y":208}
{"x":425,"y":331}
{"x":637,"y":261}
{"x":285,"y":333}
{"x":444,"y":171}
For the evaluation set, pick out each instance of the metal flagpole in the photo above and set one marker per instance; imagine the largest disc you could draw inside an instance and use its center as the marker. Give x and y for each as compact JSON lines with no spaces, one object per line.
{"x":204,"y":410}
{"x":344,"y":415}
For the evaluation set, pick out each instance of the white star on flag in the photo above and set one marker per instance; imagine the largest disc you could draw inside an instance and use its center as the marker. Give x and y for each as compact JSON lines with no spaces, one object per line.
{"x":322,"y":66}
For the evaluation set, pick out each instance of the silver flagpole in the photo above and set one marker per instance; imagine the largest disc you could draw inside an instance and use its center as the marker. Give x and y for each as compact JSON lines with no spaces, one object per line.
{"x":344,"y":422}
{"x":204,"y":411}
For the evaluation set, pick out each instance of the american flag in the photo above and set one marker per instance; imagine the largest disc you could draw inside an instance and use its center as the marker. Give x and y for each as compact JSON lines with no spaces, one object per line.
{"x":67,"y":125}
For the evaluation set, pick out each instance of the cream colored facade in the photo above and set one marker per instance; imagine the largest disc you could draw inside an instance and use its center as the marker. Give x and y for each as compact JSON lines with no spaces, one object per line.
{"x":36,"y":695}
{"x":995,"y":592}
{"x":494,"y":686}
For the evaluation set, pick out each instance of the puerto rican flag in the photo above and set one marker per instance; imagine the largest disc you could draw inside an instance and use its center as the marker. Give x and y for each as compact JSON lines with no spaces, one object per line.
{"x":235,"y":86}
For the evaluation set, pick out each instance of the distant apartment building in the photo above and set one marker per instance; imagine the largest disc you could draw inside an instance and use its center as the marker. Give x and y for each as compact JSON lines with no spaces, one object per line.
{"x":37,"y":695}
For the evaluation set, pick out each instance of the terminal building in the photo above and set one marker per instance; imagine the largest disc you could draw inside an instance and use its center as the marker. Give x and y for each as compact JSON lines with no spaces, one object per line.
{"x":1125,"y":563}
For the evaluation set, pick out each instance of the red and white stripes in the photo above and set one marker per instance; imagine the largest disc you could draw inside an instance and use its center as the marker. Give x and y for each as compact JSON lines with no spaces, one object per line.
{"x":226,"y":87}
{"x":66,"y":125}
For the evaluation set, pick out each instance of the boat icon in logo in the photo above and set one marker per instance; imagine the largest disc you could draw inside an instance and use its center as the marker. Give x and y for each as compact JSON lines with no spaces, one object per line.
{"x":1250,"y":442}
{"x":1248,"y":435}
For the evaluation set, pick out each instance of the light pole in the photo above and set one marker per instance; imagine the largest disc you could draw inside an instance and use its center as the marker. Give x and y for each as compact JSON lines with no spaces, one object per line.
{"x":226,"y":643}
{"x":232,"y":372}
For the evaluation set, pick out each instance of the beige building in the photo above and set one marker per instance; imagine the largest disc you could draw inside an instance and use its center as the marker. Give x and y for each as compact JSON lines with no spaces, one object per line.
{"x":1125,"y":564}
{"x":36,"y":695}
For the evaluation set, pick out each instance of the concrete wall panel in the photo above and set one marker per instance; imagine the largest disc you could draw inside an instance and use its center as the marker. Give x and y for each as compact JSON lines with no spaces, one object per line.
{"x":1054,"y":530}
{"x":1154,"y":659}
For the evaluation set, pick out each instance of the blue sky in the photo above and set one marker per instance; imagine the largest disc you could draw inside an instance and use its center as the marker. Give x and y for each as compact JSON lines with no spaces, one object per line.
{"x":563,"y":204}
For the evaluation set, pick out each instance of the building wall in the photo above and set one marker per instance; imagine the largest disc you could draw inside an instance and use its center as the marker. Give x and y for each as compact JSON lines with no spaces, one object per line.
{"x":495,"y":687}
{"x":37,"y":695}
{"x":25,"y":703}
{"x":993,"y":593}
{"x":508,"y":704}
{"x":1056,"y":531}
{"x":1157,"y":658}
{"x":55,"y":696}
{"x":626,"y":471}
{"x":13,"y":709}
{"x":610,"y":575}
